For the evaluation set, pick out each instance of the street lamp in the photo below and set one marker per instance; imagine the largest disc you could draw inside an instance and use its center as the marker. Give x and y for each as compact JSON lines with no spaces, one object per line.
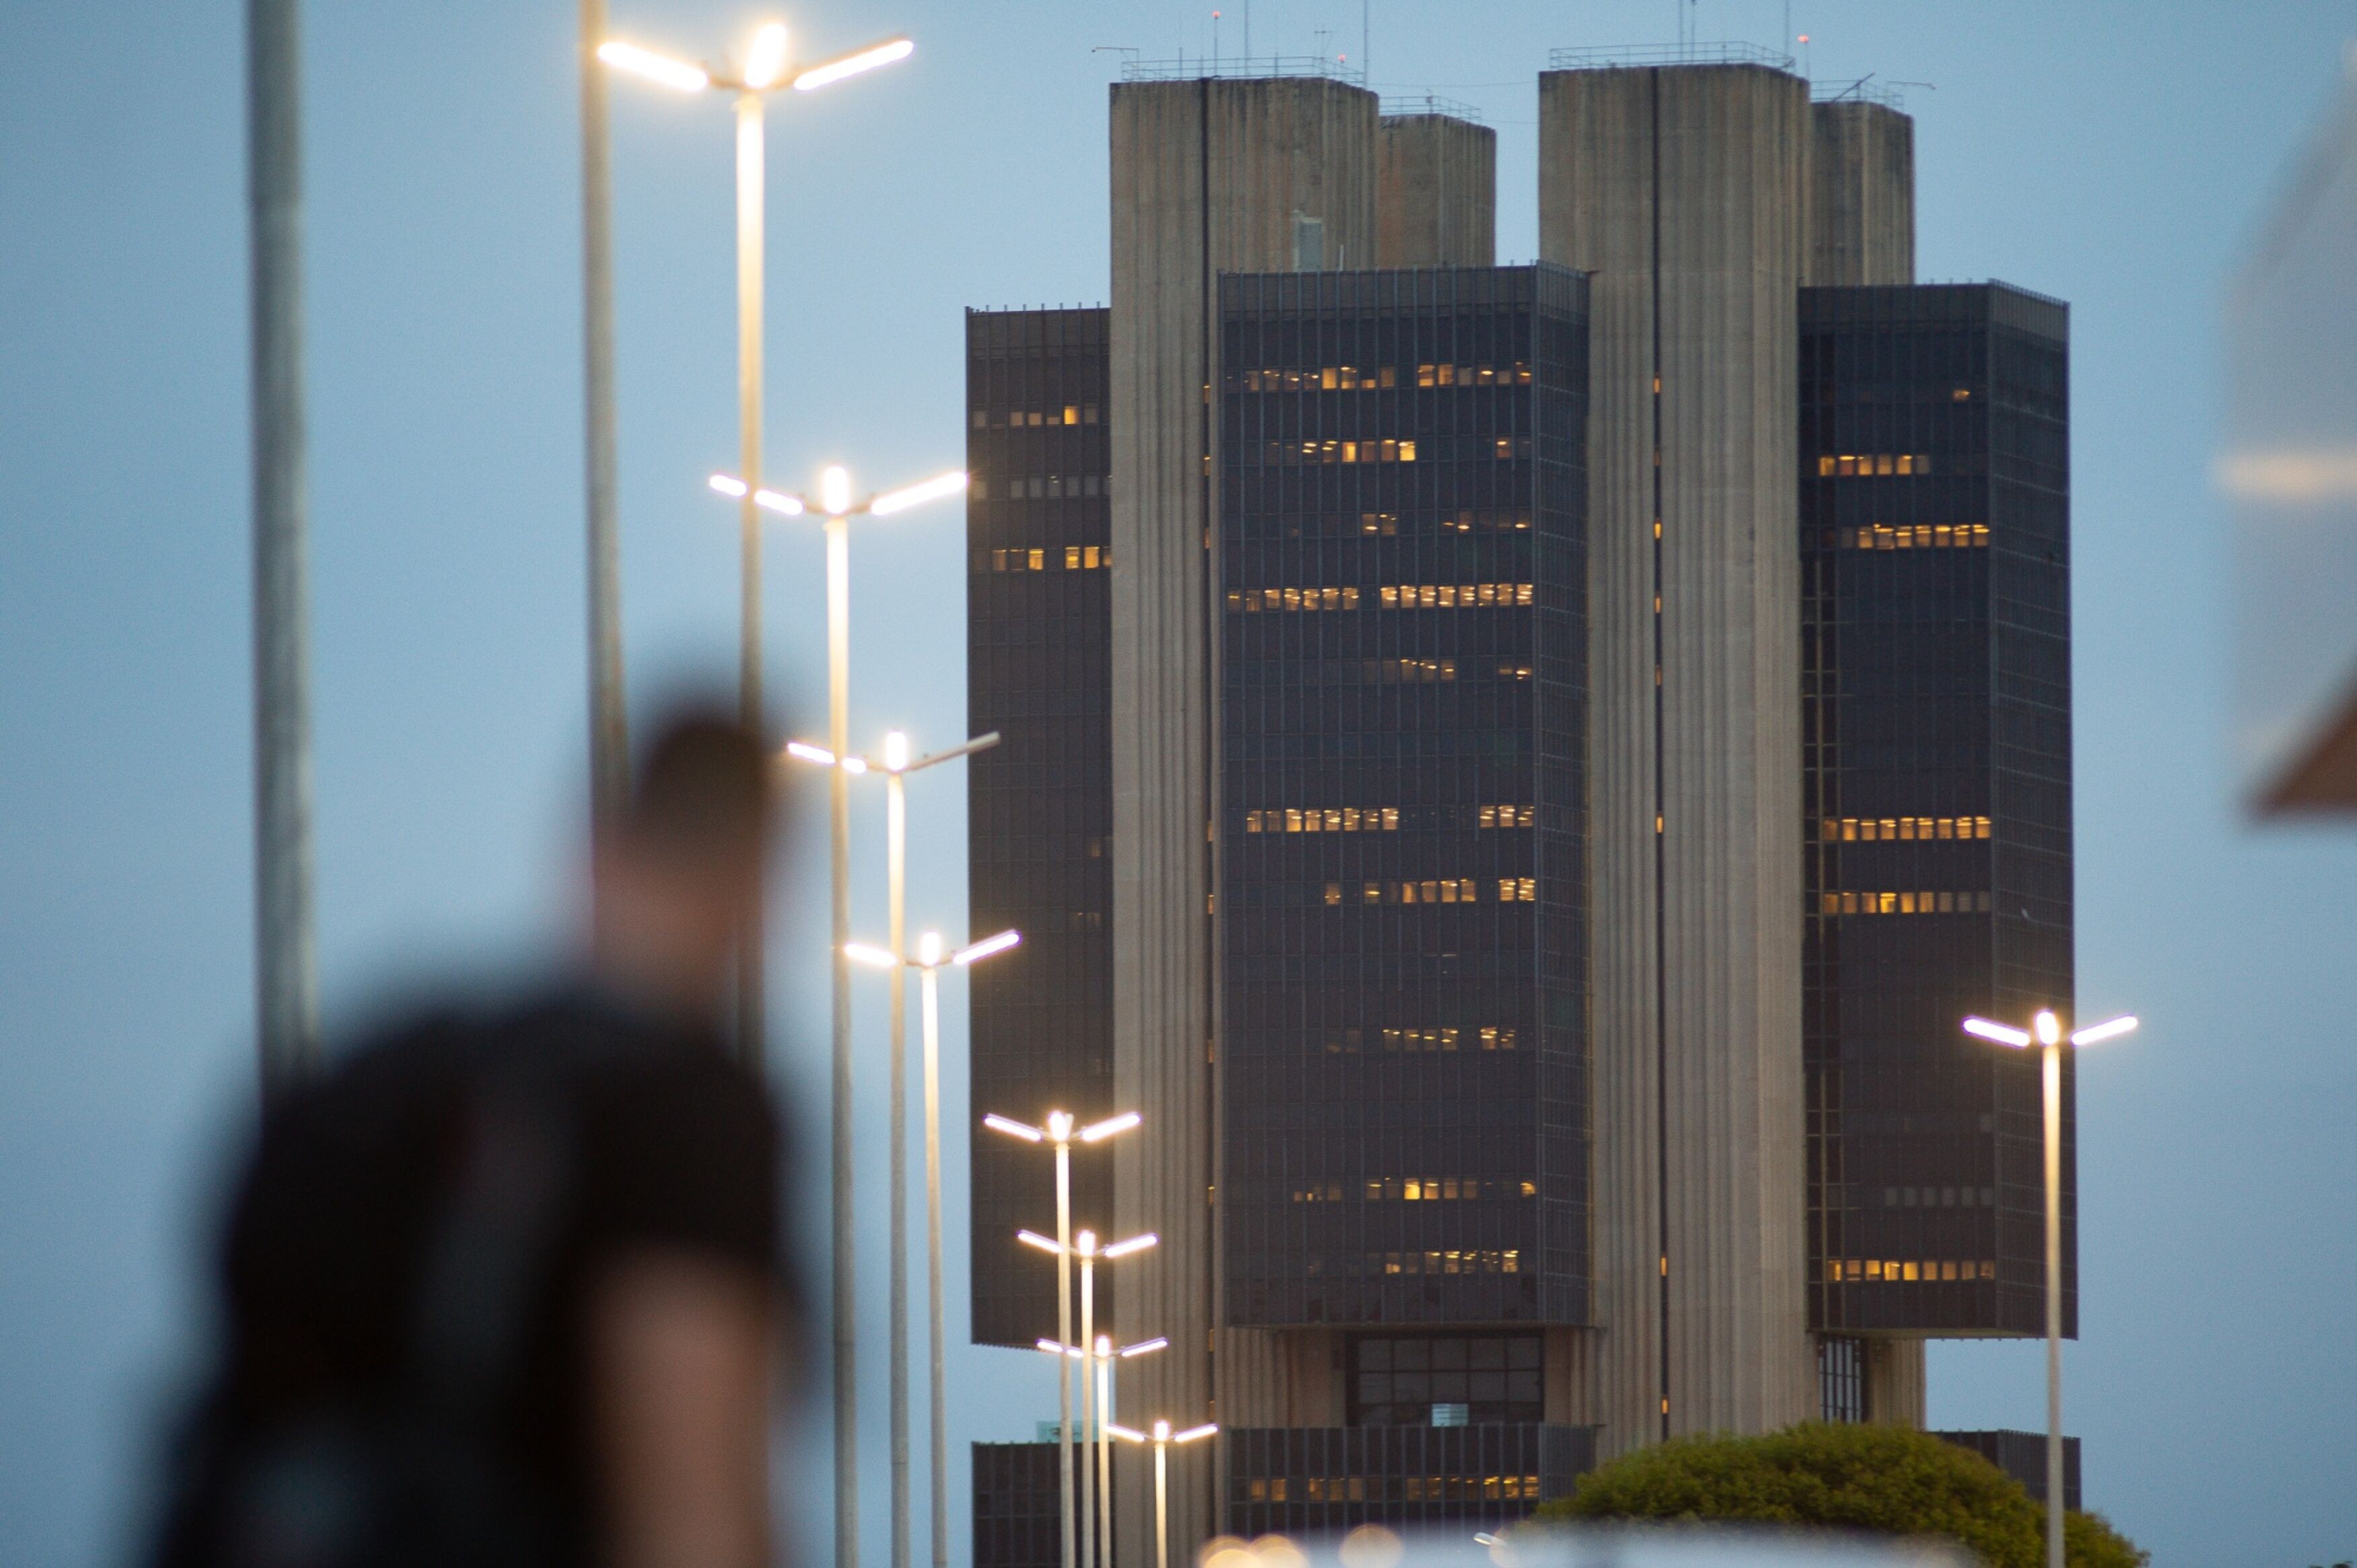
{"x":1085,"y":1247}
{"x":1162,"y":1437}
{"x":1058,"y":1133}
{"x":764,"y":69}
{"x":928,"y":964}
{"x":834,"y":507}
{"x":1100,"y":1438}
{"x":2046,"y":1032}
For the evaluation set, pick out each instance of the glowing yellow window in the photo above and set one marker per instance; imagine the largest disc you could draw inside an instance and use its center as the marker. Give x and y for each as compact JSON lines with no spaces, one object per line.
{"x":1038,"y":559}
{"x":1407,"y":451}
{"x":1333,"y":892}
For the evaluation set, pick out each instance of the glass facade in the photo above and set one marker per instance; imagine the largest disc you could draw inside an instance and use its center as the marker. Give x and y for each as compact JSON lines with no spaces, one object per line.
{"x":1017,"y":1503}
{"x":1301,"y":1481}
{"x":1936,"y":740}
{"x":1039,"y":806}
{"x":1402,"y":816}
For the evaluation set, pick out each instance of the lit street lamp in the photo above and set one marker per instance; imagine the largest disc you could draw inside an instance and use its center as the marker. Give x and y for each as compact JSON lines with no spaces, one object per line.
{"x":764,"y":70}
{"x":1162,"y":1438}
{"x":1085,"y":1247}
{"x":1058,"y":1133}
{"x":928,"y":964}
{"x":836,"y":507}
{"x":2046,"y":1033}
{"x":1101,"y":1436}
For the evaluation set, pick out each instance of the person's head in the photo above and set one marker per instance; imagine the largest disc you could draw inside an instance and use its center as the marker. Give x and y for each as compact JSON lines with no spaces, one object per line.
{"x":676,"y":875}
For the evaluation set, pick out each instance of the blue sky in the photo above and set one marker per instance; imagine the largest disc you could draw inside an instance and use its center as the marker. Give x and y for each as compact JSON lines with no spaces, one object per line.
{"x":2115,"y":155}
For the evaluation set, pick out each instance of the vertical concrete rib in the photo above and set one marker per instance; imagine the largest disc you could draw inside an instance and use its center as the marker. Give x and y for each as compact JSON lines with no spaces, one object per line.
{"x":1208,"y":177}
{"x":1435,"y":192}
{"x":1863,"y":217}
{"x":1686,"y":193}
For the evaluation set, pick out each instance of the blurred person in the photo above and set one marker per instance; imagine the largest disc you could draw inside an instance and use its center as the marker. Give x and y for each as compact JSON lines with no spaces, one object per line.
{"x":509,"y":1288}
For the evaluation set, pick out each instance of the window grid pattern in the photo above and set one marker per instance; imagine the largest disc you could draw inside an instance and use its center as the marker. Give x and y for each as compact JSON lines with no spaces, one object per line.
{"x":1935,"y":695}
{"x":1039,"y":806}
{"x":1443,"y":675}
{"x":1017,"y":1506}
{"x":1306,"y":1480}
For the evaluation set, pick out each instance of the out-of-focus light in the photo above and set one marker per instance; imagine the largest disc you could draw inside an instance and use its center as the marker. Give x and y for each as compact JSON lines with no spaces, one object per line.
{"x":2003,"y":1033}
{"x":2049,"y":1027}
{"x":896,"y":752}
{"x":1033,"y":1239}
{"x":809,"y":753}
{"x":929,"y":952}
{"x":1143,"y":1346}
{"x":1372,"y":1546}
{"x":1161,"y":1432}
{"x":1012,"y":1128}
{"x":868,"y":58}
{"x":834,"y":490}
{"x":672,"y":73}
{"x":766,"y":58}
{"x":1059,"y":1124}
{"x":984,"y":948}
{"x":2111,"y":1030}
{"x":1135,"y":1244}
{"x":854,"y":765}
{"x":1192,"y":1433}
{"x":1483,"y":1538}
{"x":1053,"y":1348}
{"x":1085,"y":1244}
{"x":777,"y":502}
{"x":873,"y":958}
{"x":1125,"y":1433}
{"x":1110,"y":1125}
{"x":934,"y":488}
{"x":1105,"y":1347}
{"x":727,"y":484}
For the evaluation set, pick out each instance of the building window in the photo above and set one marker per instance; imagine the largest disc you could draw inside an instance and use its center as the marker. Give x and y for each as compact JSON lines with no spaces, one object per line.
{"x":1841,"y":1378}
{"x":1400,"y":1381}
{"x":1889,"y":830}
{"x":1910,"y":902}
{"x":1873,"y":464}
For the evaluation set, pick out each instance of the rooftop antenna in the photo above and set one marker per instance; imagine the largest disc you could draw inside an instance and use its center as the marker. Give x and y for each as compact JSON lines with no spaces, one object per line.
{"x":1215,"y":43}
{"x":1365,"y":6}
{"x":1807,"y":72}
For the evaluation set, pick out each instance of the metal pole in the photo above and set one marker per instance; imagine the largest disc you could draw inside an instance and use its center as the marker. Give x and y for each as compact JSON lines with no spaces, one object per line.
{"x":1064,"y":1333}
{"x":940,"y":1404}
{"x":1087,"y":1407}
{"x":1105,"y":1454}
{"x":285,"y":974}
{"x":750,"y":1031}
{"x":838,"y":694}
{"x":895,"y":819}
{"x":1161,"y":1504}
{"x":608,"y":719}
{"x":2054,"y":1066}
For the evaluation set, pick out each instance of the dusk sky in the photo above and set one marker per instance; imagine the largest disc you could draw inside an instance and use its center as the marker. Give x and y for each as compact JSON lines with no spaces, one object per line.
{"x":2118,"y":156}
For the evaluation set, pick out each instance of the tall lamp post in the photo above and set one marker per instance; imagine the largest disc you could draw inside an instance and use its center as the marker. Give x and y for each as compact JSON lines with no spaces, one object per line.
{"x":1097,"y":1362}
{"x":1085,"y":1247}
{"x":1162,"y":1437}
{"x":836,"y":507}
{"x":930,"y":957}
{"x":2046,"y":1033}
{"x":1058,"y":1134}
{"x":764,"y":69}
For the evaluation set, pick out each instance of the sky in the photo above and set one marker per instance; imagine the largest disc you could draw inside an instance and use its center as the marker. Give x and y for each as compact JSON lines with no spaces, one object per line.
{"x":2119,"y":155}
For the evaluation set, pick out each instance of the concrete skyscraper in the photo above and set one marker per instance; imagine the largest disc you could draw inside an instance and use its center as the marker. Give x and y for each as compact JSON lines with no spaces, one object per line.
{"x":1455,"y":716}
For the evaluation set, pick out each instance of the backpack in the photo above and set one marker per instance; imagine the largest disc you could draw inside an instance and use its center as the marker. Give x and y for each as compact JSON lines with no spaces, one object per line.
{"x":418,"y":1476}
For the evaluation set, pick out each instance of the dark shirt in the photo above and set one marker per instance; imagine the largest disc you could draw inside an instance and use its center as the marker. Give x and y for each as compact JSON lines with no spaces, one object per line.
{"x":371,"y":1185}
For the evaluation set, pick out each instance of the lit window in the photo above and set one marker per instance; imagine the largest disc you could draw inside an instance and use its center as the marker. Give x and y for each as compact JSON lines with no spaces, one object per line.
{"x":1071,"y":413}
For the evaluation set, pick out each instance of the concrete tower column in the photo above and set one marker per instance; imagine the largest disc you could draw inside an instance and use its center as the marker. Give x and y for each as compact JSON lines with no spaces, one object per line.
{"x":1208,"y":177}
{"x":1685,"y":192}
{"x":1435,"y":192}
{"x":1863,"y":222}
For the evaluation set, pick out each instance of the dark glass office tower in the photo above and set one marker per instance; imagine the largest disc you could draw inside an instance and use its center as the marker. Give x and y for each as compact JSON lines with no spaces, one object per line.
{"x":1040,"y":805}
{"x":1936,"y":735}
{"x":1402,"y":889}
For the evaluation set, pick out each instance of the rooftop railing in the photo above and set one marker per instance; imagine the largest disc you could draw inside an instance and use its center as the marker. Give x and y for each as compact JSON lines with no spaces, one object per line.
{"x":1240,"y":67}
{"x":1639,"y":55}
{"x":1865,"y":89}
{"x":1431,"y":103}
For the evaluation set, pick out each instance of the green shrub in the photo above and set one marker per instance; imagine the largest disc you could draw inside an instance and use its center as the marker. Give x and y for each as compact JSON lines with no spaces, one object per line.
{"x":1848,"y":1476}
